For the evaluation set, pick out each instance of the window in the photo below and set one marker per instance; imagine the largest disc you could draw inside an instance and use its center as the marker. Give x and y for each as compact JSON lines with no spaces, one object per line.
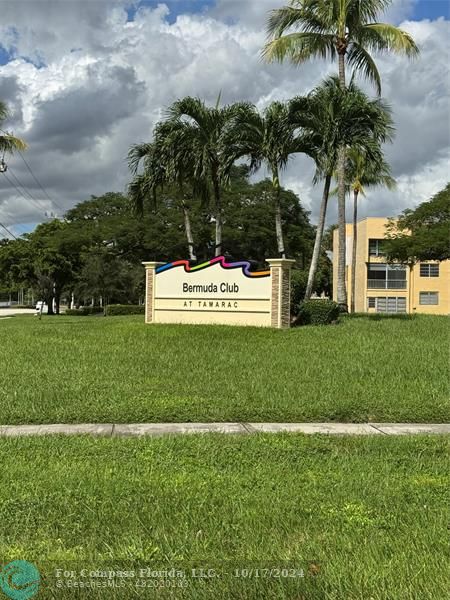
{"x":376,"y":248}
{"x":428,"y":298}
{"x":391,"y":304}
{"x":428,"y":270}
{"x":386,"y":277}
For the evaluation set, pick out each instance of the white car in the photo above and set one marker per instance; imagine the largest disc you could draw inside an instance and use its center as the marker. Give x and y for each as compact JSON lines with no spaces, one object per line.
{"x":41,"y":306}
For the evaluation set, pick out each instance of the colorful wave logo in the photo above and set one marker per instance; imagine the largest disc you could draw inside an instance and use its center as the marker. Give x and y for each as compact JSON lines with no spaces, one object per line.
{"x":243,"y":264}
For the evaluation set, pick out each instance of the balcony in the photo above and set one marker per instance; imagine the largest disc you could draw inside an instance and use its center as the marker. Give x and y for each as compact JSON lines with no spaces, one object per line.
{"x":386,"y":284}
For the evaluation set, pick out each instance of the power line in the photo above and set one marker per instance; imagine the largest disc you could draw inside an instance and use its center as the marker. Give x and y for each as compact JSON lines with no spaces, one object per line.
{"x":35,"y":178}
{"x":10,"y":232}
{"x":39,"y":183}
{"x":11,"y":183}
{"x":19,"y":183}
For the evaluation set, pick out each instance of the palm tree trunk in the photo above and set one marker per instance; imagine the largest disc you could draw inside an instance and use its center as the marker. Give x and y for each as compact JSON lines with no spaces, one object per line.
{"x":278,"y":224}
{"x":218,"y":216}
{"x":319,"y":236}
{"x":342,"y":69}
{"x":188,"y":230}
{"x":355,"y":245}
{"x":341,"y":287}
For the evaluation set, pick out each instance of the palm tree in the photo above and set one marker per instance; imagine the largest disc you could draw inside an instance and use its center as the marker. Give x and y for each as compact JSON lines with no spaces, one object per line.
{"x":268,"y":138}
{"x":361,"y":172}
{"x":199,"y":131}
{"x":331,"y":117}
{"x":8,"y":143}
{"x":347,"y":29}
{"x":144,"y":184}
{"x":164,"y":165}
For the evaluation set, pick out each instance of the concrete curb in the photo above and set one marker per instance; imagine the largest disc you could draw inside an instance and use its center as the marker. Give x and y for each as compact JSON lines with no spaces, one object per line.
{"x":159,"y":429}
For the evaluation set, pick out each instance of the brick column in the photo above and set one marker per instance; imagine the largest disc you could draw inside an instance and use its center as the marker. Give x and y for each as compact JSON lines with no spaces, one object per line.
{"x":280,"y":271}
{"x":150,"y":274}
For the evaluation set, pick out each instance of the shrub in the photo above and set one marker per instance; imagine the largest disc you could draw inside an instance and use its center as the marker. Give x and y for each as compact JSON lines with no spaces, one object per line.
{"x":114,"y":310}
{"x":84,"y":311}
{"x":299,"y":281}
{"x":317,"y":312}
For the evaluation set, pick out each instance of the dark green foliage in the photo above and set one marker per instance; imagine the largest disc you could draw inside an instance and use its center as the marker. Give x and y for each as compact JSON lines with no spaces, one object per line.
{"x":422,"y":234}
{"x":96,"y":252}
{"x":84,"y":311}
{"x":114,"y":310}
{"x":299,"y":281}
{"x":317,"y":312}
{"x":249,"y":232}
{"x":322,"y":282}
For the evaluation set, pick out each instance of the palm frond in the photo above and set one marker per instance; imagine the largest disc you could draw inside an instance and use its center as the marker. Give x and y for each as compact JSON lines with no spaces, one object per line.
{"x":281,"y":19}
{"x":365,"y":11}
{"x":138,"y":190}
{"x":383,"y":37}
{"x":300,"y":47}
{"x":191,"y":108}
{"x":4,"y":113}
{"x":11,"y":144}
{"x":368,"y":168}
{"x":136,"y":154}
{"x":360,"y":60}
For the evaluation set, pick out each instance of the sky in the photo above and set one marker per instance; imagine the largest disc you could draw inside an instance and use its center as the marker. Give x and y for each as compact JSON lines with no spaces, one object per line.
{"x":86,"y":79}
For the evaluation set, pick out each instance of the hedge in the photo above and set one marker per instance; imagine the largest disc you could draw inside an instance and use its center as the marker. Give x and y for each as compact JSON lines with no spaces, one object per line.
{"x":84,"y":311}
{"x":114,"y":310}
{"x":299,"y":281}
{"x":317,"y":312}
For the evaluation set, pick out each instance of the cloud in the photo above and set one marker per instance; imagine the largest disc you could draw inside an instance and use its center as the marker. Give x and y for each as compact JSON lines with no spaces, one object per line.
{"x":399,"y":11}
{"x":77,"y":118}
{"x":10,"y":94}
{"x":252,"y":13}
{"x":100,"y":82}
{"x":48,"y":29}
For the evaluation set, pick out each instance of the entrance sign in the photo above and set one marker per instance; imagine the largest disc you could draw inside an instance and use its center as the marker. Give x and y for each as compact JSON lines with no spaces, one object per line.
{"x":218,"y":292}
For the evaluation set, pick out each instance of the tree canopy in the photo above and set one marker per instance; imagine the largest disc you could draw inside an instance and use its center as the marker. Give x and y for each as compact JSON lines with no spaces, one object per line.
{"x":96,"y":251}
{"x":422,"y":234}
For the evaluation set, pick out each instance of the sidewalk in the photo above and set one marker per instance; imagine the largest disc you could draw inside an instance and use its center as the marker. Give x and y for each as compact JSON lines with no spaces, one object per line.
{"x":158,"y":429}
{"x":11,"y":311}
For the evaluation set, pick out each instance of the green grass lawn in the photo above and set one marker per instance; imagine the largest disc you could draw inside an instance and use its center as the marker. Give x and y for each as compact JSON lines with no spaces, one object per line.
{"x":117,"y":369}
{"x":367,"y":516}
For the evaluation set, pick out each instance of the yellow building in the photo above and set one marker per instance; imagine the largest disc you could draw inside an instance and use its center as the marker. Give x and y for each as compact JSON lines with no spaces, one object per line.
{"x":390,"y":288}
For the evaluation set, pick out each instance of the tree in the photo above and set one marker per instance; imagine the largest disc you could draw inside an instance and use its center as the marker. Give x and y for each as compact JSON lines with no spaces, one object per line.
{"x":421,"y":234}
{"x":44,"y":260}
{"x":199,"y":130}
{"x":107,"y":278}
{"x":248,"y":227}
{"x":331,"y":117}
{"x":15,"y":263}
{"x":8,"y":143}
{"x":166,"y":166}
{"x":361,"y":172}
{"x":269,"y":138}
{"x":346,"y":29}
{"x":97,"y":250}
{"x":55,"y":258}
